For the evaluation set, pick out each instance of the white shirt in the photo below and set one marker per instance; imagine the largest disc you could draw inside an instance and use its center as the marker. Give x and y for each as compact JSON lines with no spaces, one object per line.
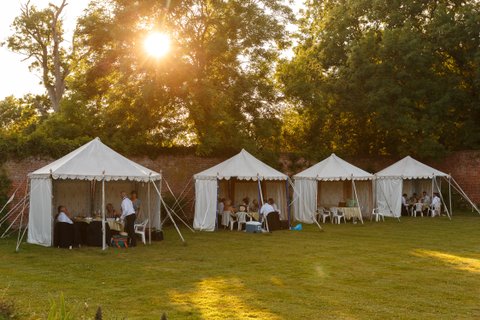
{"x":220,"y":208}
{"x":426,"y":199}
{"x":436,"y":200}
{"x":266,"y":209}
{"x":404,"y":201}
{"x":62,"y":217}
{"x":127,"y":207}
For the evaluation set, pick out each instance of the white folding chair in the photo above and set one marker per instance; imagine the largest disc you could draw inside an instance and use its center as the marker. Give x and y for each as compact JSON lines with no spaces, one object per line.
{"x":377,"y":214}
{"x":241,"y":219}
{"x":140,"y":229}
{"x":323,"y":214}
{"x":417,"y":208}
{"x":436,"y":210}
{"x":337,"y":216}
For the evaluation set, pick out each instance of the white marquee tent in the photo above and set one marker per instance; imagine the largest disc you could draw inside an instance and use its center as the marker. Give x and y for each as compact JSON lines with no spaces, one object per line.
{"x":84,"y":181}
{"x":411,"y":176}
{"x":329,"y":182}
{"x":240,"y":176}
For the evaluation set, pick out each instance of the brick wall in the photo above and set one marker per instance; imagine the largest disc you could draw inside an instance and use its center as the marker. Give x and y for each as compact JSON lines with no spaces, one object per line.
{"x":178,"y":170}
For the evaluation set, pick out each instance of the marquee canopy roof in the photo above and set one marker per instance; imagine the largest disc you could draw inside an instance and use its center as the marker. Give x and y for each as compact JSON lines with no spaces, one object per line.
{"x":95,"y":161}
{"x":409,"y":168}
{"x":242,"y":166}
{"x":333,"y":168}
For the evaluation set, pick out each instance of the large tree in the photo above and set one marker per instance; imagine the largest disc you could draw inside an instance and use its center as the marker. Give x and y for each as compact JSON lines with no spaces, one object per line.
{"x":38,"y":34}
{"x":387,"y":77}
{"x":214,"y":89}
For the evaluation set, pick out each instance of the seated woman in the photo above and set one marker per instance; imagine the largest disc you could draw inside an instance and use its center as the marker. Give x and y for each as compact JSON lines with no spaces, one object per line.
{"x":228,"y":212}
{"x":111,"y":212}
{"x":253,"y":209}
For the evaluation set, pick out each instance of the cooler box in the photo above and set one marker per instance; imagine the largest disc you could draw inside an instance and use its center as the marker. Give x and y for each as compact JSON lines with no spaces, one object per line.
{"x":253,"y":227}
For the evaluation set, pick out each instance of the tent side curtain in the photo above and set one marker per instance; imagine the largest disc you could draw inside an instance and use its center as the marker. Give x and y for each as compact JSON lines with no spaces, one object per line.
{"x":277,"y":191}
{"x":40,"y":212}
{"x":305,"y":200}
{"x":389,"y":196}
{"x":205,"y":205}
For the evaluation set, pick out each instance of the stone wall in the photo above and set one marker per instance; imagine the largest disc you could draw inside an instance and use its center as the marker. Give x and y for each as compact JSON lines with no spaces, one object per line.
{"x":178,"y":170}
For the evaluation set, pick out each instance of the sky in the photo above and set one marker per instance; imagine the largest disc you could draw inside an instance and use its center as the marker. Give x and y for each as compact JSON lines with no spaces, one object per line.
{"x":15,"y":78}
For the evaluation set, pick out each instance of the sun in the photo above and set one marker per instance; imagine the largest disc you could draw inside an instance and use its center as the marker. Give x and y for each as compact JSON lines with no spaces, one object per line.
{"x":157,"y":44}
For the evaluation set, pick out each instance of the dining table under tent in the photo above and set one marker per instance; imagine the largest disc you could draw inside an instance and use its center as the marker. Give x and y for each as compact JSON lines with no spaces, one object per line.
{"x":408,"y":176}
{"x":238,"y":177}
{"x":84,"y":181}
{"x":331,"y":183}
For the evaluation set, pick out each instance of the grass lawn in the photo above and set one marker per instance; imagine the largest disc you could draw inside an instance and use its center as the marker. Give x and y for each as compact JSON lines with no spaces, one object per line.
{"x":416,"y":269}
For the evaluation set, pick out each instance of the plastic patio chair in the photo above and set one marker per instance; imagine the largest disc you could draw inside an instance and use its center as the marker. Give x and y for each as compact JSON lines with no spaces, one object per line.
{"x":377,"y":214}
{"x":140,"y":229}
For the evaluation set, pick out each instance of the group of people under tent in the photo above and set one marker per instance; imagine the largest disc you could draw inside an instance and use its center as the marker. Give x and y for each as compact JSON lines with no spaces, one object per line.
{"x":227,"y":211}
{"x":423,"y":204}
{"x":130,"y":210}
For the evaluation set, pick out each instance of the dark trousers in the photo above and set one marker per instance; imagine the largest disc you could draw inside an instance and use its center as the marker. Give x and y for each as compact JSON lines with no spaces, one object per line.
{"x":130,"y":228}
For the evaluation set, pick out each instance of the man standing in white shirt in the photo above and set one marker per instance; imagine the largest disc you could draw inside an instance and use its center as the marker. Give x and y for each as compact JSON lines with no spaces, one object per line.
{"x":129,"y":216}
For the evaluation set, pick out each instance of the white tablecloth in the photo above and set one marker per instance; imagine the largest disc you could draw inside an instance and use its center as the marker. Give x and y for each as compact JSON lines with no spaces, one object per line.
{"x":351,"y":212}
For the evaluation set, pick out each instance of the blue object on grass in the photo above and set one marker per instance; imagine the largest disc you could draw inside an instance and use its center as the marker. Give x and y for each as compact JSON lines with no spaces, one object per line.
{"x":298,"y":227}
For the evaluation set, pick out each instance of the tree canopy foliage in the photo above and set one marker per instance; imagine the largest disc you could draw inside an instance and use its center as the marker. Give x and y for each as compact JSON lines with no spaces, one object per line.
{"x":366,"y":78}
{"x":386,"y":77}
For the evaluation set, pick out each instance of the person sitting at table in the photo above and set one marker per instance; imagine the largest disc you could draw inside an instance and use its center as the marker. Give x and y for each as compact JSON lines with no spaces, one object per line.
{"x":266,"y":209}
{"x":253,"y":207}
{"x":63,"y":229}
{"x":228,"y":212}
{"x":404,"y":205}
{"x":111,"y":212}
{"x":63,"y":215}
{"x":413,"y":199}
{"x":220,"y":206}
{"x":435,"y":203}
{"x":426,"y":202}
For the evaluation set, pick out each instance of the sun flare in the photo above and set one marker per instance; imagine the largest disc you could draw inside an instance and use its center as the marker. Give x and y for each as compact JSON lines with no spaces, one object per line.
{"x":157,"y":44}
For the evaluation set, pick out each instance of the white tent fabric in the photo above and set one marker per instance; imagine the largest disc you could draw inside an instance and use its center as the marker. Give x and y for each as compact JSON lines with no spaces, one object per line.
{"x":71,"y":180}
{"x":409,"y":168}
{"x":242,"y":166}
{"x":391,"y":184}
{"x":330,"y":176}
{"x":305,"y":200}
{"x":40,"y":224}
{"x":96,"y":161}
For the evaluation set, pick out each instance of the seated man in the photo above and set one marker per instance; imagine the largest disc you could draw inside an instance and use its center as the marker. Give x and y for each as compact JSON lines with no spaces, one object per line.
{"x":266,"y":209}
{"x":63,"y":215}
{"x":63,"y":230}
{"x":436,"y":204}
{"x":404,"y":205}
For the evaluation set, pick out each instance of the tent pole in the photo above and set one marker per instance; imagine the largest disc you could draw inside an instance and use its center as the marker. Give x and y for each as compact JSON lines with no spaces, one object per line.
{"x":450,"y":193}
{"x":443,"y":200}
{"x":149,"y":213}
{"x":169,"y":215}
{"x":288,"y":200}
{"x":464,"y":195}
{"x":159,"y":199}
{"x":216,"y":210}
{"x":356,"y":198}
{"x":104,"y":231}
